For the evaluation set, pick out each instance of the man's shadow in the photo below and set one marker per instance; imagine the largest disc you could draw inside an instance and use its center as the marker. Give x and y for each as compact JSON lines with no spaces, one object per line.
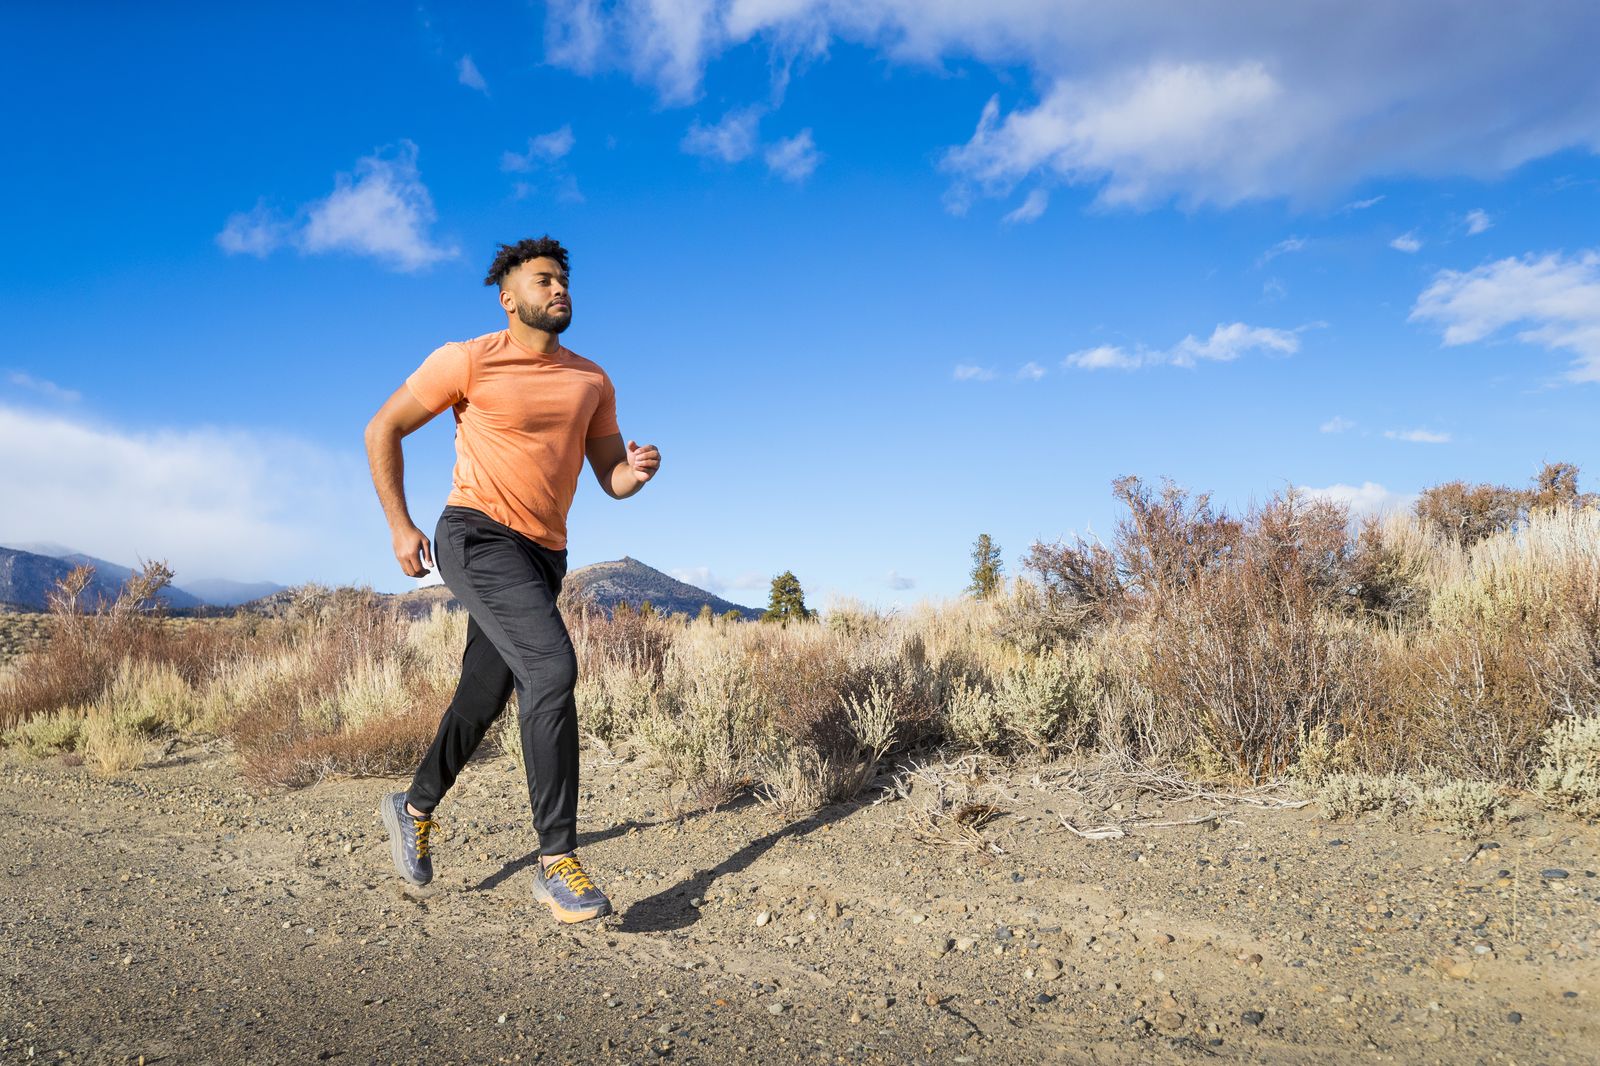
{"x":516,"y":866}
{"x":669,"y":909}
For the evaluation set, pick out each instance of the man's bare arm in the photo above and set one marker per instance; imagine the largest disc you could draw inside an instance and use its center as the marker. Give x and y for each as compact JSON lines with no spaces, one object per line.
{"x":400,"y":415}
{"x":622,"y":469}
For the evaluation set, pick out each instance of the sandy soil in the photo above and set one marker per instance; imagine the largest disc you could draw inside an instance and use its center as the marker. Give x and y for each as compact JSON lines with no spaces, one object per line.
{"x":174,"y":916}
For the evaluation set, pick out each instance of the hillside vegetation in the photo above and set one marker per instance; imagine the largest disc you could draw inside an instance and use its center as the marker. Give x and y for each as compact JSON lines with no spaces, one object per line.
{"x":1452,"y":652}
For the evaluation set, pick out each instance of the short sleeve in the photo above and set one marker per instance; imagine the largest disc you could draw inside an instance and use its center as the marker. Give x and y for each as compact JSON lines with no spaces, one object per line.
{"x":603,"y":423}
{"x":441,"y":380}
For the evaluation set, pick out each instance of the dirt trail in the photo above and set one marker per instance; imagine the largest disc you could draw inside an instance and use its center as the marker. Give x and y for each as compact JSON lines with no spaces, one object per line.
{"x":176,"y":917}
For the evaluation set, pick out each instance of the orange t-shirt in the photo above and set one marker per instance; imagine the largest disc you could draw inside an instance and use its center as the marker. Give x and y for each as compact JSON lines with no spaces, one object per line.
{"x":521,"y":421}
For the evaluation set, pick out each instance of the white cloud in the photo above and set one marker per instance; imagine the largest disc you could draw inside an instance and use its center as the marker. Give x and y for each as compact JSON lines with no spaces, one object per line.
{"x":381,"y":210}
{"x":1336,"y":424}
{"x":968,"y":372}
{"x":258,"y":232}
{"x":732,"y":139}
{"x":212,"y":502}
{"x":1273,"y":290}
{"x":704,"y":577}
{"x":1406,"y":242}
{"x":1362,"y":205}
{"x":543,"y":150}
{"x":574,"y":35}
{"x":1417,"y":436}
{"x":468,"y":74}
{"x":23,"y":379}
{"x":1030,"y":209}
{"x":1227,"y":342}
{"x":898,"y":581}
{"x":1368,"y":498}
{"x":1200,"y":103}
{"x":1477,"y":221}
{"x":1030,"y":371}
{"x":1283,"y":247}
{"x":795,"y":158}
{"x":1556,"y":298}
{"x":1104,"y":357}
{"x":1140,"y":135}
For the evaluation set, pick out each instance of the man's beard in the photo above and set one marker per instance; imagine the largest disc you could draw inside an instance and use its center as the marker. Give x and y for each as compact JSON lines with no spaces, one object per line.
{"x":541,"y":320}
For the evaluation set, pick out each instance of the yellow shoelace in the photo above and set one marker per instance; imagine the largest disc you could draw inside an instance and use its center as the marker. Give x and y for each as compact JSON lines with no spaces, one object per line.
{"x":571,"y":875}
{"x":424,"y":827}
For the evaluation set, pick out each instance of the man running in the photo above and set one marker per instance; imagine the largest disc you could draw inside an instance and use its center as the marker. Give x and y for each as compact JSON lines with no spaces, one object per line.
{"x":527,"y":411}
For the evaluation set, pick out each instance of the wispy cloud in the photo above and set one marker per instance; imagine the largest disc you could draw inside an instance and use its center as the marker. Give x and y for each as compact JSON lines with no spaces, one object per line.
{"x":1030,"y":371}
{"x":731,"y":139}
{"x":1283,"y":247}
{"x":1104,"y":357}
{"x":1362,"y":205}
{"x":25,"y":380}
{"x":213,"y":502}
{"x":705,"y":578}
{"x":258,"y":232}
{"x":1031,"y":208}
{"x":468,"y":74}
{"x":898,"y":581}
{"x":1406,"y":242}
{"x":1204,"y":104}
{"x":1554,"y":297}
{"x":544,"y":166}
{"x":542,"y":150}
{"x":794,"y":158}
{"x":1227,"y":342}
{"x":381,"y":210}
{"x":968,"y":372}
{"x":1336,"y":424}
{"x":1477,"y":221}
{"x":1417,"y":436}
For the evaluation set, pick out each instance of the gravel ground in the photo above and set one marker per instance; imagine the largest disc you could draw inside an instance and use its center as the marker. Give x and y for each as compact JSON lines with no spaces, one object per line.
{"x":176,"y":916}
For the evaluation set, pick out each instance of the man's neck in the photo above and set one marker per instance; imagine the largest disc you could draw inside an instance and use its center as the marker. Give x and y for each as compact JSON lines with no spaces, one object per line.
{"x":538,"y":339}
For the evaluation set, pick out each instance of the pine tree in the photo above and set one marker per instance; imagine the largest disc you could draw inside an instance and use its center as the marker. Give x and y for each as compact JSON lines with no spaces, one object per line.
{"x":788,"y":601}
{"x":986,"y":568}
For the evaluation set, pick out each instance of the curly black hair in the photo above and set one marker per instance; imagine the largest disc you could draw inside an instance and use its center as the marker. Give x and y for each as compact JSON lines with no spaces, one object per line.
{"x":511,"y":256}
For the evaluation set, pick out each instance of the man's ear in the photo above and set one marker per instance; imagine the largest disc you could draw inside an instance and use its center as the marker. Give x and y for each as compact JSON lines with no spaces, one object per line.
{"x":508,"y":302}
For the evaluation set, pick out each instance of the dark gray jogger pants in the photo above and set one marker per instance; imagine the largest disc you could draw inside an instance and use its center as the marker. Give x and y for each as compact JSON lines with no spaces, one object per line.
{"x":515,"y":638}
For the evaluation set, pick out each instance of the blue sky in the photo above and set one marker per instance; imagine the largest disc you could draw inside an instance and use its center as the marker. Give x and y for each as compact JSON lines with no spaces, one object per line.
{"x":876,"y":277}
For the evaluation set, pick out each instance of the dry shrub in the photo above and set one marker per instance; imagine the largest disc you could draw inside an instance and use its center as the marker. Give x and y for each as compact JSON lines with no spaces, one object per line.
{"x":438,"y":641}
{"x":1349,"y":795}
{"x":343,"y":684}
{"x":625,"y":635}
{"x":1463,"y":806}
{"x":1568,"y":777}
{"x":1042,"y":703}
{"x":705,"y":725}
{"x":1247,"y":656}
{"x":1468,"y":513}
{"x":1512,"y":646}
{"x":52,"y":733}
{"x":78,"y":662}
{"x":150,"y":698}
{"x":110,"y":746}
{"x":1390,"y":567}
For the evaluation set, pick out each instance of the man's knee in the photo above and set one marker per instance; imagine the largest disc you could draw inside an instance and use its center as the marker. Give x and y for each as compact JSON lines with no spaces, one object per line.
{"x":552,"y":679}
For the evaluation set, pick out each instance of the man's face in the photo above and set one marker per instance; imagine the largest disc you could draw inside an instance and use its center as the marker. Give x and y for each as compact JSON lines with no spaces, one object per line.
{"x":539,"y":289}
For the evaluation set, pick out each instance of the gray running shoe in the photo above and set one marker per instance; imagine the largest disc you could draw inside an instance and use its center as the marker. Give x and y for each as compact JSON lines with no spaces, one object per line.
{"x":408,"y":839}
{"x":568,"y":892}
